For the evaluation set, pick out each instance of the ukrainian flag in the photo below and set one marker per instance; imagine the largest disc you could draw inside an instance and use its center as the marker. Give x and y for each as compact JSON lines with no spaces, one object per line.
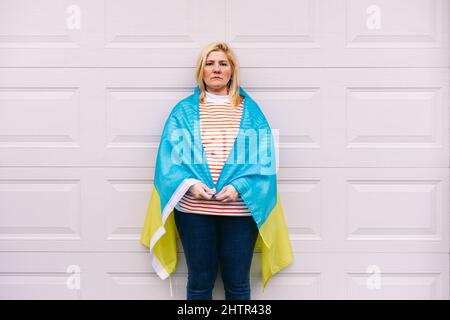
{"x":250,"y":168}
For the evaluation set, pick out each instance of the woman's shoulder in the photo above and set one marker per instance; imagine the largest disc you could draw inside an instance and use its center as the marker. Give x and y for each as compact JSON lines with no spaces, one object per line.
{"x":183,"y":110}
{"x":183,"y":104}
{"x":257,"y":114}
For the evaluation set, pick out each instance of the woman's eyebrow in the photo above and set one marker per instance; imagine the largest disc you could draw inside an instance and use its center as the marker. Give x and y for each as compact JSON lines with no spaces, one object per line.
{"x":218,"y":60}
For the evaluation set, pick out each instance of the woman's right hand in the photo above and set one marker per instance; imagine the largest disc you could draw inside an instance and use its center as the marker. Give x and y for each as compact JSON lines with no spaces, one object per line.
{"x":201,"y":192}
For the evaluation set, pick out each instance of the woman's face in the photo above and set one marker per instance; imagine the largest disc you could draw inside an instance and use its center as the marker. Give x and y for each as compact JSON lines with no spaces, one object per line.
{"x":217,"y":72}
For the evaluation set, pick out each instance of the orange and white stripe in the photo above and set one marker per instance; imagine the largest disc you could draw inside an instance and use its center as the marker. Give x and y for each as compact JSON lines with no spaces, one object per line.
{"x":219,"y":126}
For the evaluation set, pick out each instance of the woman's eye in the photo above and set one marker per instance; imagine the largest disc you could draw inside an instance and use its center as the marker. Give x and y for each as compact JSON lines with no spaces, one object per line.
{"x":222,"y":64}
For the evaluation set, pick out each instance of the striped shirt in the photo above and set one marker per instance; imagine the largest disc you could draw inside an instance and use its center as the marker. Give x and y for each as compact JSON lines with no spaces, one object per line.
{"x":219,"y":126}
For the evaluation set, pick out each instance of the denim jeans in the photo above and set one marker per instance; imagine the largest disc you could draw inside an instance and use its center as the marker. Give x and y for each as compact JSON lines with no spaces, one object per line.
{"x":210,"y":241}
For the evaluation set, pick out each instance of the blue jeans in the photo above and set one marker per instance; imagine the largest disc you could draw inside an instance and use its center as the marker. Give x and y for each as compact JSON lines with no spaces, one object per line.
{"x":209,"y":241}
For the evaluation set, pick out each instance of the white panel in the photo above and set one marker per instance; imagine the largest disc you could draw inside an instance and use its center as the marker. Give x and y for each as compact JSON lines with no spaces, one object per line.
{"x":105,"y":33}
{"x":125,"y":196}
{"x":133,"y":111}
{"x":357,"y":92}
{"x":288,"y":106}
{"x":82,"y":275}
{"x":406,"y":285}
{"x":395,"y":24}
{"x":306,"y":33}
{"x":44,"y":275}
{"x":47,"y":209}
{"x":327,"y":209}
{"x":366,"y":209}
{"x":296,"y":30}
{"x":35,"y":24}
{"x":357,"y":117}
{"x":130,"y":276}
{"x":394,"y":276}
{"x":325,"y":117}
{"x":50,"y":33}
{"x":35,"y":286}
{"x":394,"y":117}
{"x":51,"y":117}
{"x":51,"y":210}
{"x":154,"y":25}
{"x":302,"y":202}
{"x":394,"y":209}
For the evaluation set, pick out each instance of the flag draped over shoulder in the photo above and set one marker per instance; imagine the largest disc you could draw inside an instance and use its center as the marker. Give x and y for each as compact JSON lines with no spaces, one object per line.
{"x":250,"y":168}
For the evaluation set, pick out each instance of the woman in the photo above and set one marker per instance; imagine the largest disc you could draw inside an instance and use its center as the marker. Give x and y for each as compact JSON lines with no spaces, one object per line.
{"x":221,"y":189}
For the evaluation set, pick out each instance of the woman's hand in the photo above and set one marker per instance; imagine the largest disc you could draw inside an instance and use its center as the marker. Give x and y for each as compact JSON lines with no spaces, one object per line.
{"x":227,"y":194}
{"x":201,"y":191}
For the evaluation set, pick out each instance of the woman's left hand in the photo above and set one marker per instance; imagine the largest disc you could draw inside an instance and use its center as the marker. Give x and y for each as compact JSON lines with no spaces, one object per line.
{"x":227,"y":194}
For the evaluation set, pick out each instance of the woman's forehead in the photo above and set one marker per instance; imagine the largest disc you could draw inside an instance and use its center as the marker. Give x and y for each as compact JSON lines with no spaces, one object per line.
{"x":217,"y":55}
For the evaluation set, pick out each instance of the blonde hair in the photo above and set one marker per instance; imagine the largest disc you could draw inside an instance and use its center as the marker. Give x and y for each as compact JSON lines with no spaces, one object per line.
{"x":233,"y":84}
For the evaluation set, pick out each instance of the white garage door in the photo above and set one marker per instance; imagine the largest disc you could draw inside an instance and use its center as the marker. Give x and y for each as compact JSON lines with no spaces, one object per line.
{"x":359,"y":90}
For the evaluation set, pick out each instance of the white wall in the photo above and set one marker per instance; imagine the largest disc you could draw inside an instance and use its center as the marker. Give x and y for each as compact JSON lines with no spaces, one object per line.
{"x":359,"y":94}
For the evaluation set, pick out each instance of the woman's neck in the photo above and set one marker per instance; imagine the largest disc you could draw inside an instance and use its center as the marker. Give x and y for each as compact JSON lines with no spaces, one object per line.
{"x":216,"y":97}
